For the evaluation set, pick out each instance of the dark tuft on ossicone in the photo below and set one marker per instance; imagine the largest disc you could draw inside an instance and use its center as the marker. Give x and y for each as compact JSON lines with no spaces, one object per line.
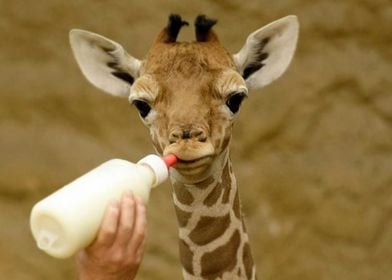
{"x":173,"y":27}
{"x":203,"y":27}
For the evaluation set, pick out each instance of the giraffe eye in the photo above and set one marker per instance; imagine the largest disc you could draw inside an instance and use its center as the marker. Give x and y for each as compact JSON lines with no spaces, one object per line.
{"x":234,"y":101}
{"x":143,"y":107}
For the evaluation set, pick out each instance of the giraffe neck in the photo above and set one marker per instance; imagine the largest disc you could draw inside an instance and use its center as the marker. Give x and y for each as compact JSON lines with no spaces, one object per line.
{"x":213,"y":240}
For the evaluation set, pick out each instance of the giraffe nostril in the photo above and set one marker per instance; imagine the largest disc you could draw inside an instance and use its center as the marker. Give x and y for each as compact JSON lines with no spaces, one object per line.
{"x":187,"y":134}
{"x":202,"y":138}
{"x":184,"y":134}
{"x":174,"y":136}
{"x":200,"y":135}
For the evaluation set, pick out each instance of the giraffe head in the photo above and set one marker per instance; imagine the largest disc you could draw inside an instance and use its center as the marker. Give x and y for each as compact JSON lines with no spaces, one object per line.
{"x":188,"y":93}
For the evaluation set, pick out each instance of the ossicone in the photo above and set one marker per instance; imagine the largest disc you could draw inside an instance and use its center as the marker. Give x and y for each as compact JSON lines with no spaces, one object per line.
{"x":174,"y":25}
{"x":203,"y":26}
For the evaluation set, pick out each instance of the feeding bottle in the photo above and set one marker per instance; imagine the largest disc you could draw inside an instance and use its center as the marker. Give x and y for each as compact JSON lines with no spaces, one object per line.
{"x":68,"y":220}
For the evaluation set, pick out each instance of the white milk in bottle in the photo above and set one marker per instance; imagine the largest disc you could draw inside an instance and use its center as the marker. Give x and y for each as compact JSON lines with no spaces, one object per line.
{"x":68,"y":220}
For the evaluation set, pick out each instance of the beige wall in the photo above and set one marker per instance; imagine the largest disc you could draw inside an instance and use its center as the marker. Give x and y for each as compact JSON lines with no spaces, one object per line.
{"x":312,"y":152}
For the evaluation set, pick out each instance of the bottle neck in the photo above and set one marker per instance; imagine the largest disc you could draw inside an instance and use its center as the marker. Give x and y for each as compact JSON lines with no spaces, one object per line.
{"x":157,"y":166}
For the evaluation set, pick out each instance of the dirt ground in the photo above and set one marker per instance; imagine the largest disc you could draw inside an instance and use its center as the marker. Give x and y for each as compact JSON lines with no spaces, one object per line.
{"x":312,"y":152}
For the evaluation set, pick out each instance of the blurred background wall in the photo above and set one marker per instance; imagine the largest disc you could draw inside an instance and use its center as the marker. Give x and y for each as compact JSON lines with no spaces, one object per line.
{"x":312,"y":152}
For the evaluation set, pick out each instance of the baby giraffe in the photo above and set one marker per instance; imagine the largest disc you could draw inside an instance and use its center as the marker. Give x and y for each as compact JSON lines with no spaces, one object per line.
{"x":188,"y":94}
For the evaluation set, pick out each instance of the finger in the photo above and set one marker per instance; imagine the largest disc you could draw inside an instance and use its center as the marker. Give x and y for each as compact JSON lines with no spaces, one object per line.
{"x":139,"y":231}
{"x":140,"y":250}
{"x":127,"y":220}
{"x":109,"y":225}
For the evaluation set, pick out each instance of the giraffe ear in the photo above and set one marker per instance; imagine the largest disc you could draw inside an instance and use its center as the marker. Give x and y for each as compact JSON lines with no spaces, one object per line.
{"x":267,"y":52}
{"x":104,"y":62}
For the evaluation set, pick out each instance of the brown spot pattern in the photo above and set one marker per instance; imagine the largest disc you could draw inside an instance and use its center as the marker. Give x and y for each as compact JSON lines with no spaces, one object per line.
{"x":226,"y":195}
{"x":183,"y":195}
{"x":209,"y":228}
{"x":205,"y":184}
{"x":226,"y":182}
{"x":186,"y":256}
{"x":213,"y":196}
{"x":223,"y":259}
{"x":182,"y":216}
{"x":248,"y":260}
{"x":237,"y":206}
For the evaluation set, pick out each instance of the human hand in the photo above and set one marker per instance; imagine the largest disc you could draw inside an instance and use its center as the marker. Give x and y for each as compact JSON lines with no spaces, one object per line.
{"x":117,"y":251}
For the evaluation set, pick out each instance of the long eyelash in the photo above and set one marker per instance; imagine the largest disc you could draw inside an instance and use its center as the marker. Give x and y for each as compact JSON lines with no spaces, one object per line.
{"x":234,"y":101}
{"x":143,"y":107}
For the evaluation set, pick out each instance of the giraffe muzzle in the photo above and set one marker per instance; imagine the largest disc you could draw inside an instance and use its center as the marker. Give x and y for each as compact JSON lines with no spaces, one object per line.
{"x":188,"y":151}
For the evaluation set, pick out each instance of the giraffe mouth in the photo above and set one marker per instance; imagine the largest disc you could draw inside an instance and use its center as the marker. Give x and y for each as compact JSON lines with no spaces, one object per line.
{"x":193,"y":167}
{"x":190,"y":151}
{"x":194,"y":163}
{"x":193,"y":158}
